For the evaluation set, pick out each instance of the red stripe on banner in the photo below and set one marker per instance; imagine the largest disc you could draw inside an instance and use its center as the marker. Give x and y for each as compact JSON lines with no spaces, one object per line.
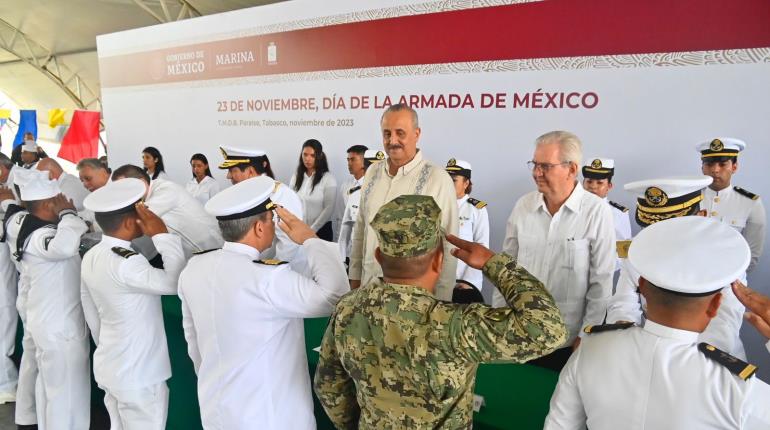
{"x":544,"y":29}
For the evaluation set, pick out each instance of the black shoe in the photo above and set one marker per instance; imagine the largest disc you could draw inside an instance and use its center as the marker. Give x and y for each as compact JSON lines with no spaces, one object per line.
{"x":26,"y":427}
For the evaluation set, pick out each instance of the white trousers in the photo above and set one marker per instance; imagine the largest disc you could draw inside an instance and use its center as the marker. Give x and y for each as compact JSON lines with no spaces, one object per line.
{"x":9,"y":376}
{"x":25,"y":392}
{"x":63,"y":386}
{"x":139,"y":409}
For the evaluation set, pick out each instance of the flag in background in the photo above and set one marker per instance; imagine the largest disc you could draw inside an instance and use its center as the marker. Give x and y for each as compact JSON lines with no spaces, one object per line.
{"x":56,"y":117}
{"x":27,"y":123}
{"x":82,"y":138}
{"x":4,"y":115}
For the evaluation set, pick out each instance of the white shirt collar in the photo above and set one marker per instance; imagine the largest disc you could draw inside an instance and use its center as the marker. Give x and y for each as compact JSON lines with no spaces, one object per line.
{"x":114,"y":241}
{"x":407,"y":168}
{"x":240,"y":248}
{"x":709,"y":192}
{"x":572,"y":203}
{"x":670,"y":332}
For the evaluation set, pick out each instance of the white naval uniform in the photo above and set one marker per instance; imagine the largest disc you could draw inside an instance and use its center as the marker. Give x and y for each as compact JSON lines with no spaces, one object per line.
{"x":9,"y":316}
{"x":184,"y":216}
{"x":653,"y":378}
{"x":342,"y":201}
{"x":622,"y":224}
{"x":25,"y":393}
{"x":723,"y":331}
{"x":203,"y":190}
{"x":571,"y":252}
{"x":243,"y":322}
{"x":121,"y":300}
{"x":474,"y":227}
{"x":283,"y":248}
{"x":57,"y":325}
{"x":352,"y":200}
{"x":741,"y":212}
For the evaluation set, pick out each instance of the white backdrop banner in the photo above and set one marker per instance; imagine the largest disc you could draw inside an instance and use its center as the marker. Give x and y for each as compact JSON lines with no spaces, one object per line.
{"x":641,"y":83}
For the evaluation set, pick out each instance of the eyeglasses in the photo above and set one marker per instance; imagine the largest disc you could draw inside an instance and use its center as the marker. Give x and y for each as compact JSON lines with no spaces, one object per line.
{"x":544,"y":167}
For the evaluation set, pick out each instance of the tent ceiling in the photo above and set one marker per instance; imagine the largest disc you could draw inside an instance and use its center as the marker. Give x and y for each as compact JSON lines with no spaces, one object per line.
{"x":69,"y":29}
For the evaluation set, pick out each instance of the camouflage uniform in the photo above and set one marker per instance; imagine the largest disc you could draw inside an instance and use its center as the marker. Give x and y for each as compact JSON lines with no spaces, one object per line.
{"x":393,"y":356}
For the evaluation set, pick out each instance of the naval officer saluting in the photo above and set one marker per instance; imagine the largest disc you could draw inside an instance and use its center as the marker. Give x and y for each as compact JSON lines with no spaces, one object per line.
{"x":243,"y":316}
{"x":120,"y":292}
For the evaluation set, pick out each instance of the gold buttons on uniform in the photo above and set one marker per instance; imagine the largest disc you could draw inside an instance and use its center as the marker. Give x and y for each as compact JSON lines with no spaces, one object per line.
{"x":714,"y":213}
{"x":716,"y":199}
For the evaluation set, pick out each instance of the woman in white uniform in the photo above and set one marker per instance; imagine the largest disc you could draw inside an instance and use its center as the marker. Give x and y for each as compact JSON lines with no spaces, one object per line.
{"x":152,"y":161}
{"x":317,"y":188}
{"x":473,"y":227}
{"x":202,"y":186}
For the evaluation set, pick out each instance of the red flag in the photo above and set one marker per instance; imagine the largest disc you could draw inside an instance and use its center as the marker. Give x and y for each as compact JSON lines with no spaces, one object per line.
{"x":82,"y":138}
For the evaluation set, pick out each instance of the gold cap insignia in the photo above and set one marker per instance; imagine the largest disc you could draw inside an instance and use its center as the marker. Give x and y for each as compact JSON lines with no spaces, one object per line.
{"x":596,"y":164}
{"x":716,"y":145}
{"x":380,"y":155}
{"x":451,"y":163}
{"x":224,"y":153}
{"x":655,"y":197}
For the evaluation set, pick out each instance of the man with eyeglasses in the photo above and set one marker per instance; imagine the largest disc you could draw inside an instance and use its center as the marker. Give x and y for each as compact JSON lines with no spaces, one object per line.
{"x":564,"y":236}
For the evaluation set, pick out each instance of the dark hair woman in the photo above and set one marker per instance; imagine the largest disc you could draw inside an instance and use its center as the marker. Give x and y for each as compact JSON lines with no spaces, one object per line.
{"x":317,"y":188}
{"x":153,"y":163}
{"x":202,"y":186}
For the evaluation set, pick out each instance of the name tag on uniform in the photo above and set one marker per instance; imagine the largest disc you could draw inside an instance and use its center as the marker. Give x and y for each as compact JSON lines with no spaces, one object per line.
{"x":622,"y":248}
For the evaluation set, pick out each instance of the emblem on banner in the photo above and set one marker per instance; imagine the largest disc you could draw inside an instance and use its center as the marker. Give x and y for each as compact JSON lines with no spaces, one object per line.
{"x":716,"y":145}
{"x":596,"y":164}
{"x":655,"y":197}
{"x":272,"y":54}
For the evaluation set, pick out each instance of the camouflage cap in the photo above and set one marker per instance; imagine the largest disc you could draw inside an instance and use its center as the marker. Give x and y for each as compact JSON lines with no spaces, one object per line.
{"x":408,"y":226}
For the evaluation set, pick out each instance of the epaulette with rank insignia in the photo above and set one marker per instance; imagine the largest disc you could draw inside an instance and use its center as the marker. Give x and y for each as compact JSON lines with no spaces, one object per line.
{"x":618,"y":206}
{"x":354,"y":189}
{"x":592,"y":329}
{"x":271,"y":262}
{"x":478,"y":204}
{"x":123,"y":252}
{"x":745,"y":193}
{"x":205,"y":251}
{"x":736,"y":366}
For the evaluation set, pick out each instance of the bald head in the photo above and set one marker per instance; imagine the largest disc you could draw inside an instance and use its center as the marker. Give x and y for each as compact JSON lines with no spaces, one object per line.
{"x":52,"y":166}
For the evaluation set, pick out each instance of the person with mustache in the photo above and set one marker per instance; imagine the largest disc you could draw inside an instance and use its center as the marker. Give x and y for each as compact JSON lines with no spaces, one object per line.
{"x":404,"y":172}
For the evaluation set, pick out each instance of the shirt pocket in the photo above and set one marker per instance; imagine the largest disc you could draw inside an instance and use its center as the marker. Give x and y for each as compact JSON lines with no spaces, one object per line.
{"x":576,"y":261}
{"x":465,"y":229}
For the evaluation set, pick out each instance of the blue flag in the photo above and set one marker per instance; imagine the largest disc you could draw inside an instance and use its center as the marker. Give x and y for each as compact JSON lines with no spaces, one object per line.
{"x":27,"y":123}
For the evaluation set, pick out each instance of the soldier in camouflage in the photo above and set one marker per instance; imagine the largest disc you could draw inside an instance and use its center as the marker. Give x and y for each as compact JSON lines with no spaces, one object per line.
{"x":394,"y":356}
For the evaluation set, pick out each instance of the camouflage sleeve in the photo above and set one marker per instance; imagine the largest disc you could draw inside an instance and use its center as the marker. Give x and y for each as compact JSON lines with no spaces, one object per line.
{"x":531,"y":327}
{"x":333,"y":386}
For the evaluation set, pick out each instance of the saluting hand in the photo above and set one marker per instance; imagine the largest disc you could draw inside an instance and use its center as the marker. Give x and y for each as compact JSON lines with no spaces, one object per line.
{"x":758,"y":307}
{"x":61,"y":203}
{"x":148,"y":222}
{"x":297,"y":230}
{"x":473,"y":254}
{"x":6,"y":194}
